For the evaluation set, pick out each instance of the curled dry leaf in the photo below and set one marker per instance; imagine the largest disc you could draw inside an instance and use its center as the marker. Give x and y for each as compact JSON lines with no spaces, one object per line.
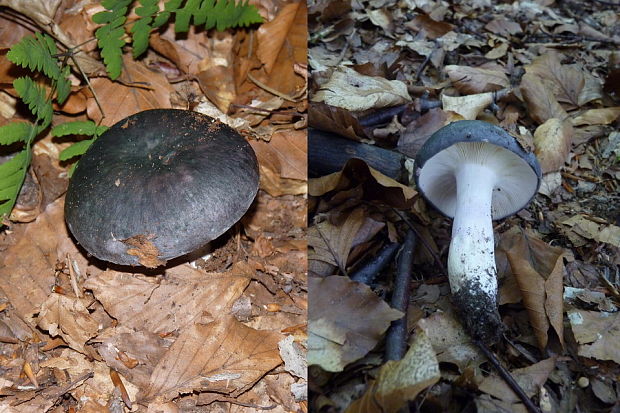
{"x":450,"y":341}
{"x":539,"y":271}
{"x":472,"y":80}
{"x":470,"y":106}
{"x":432,"y":28}
{"x":602,"y":116}
{"x":223,"y":356}
{"x":541,"y":103}
{"x":283,"y":163}
{"x":337,"y":120}
{"x":401,"y":381}
{"x":68,"y":318}
{"x":345,"y":321}
{"x":565,"y":82}
{"x":553,"y":143}
{"x":598,"y":333}
{"x":589,"y":229}
{"x":330,"y":244}
{"x":530,"y":379}
{"x":142,"y":303}
{"x":142,"y":90}
{"x":375,"y":185}
{"x":356,"y":92}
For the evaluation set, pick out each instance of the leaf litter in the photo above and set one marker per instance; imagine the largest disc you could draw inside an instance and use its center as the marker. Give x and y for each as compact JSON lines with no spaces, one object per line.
{"x":81,"y":336}
{"x":546,"y":72}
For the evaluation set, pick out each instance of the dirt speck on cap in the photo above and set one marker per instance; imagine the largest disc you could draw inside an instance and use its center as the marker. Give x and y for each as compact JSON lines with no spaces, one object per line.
{"x":144,"y":249}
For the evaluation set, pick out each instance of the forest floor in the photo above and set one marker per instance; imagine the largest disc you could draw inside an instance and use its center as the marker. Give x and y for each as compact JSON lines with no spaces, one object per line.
{"x":390,"y":73}
{"x":219,"y":331}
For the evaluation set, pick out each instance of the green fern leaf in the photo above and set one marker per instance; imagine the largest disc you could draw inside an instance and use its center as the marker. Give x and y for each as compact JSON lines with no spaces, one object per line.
{"x":141,"y":32}
{"x":87,"y":127}
{"x":63,"y":86}
{"x":77,"y":149}
{"x":12,"y":174}
{"x":37,"y":54}
{"x":15,"y":132}
{"x":35,"y":97}
{"x":161,"y":19}
{"x":224,"y":14}
{"x":183,"y":16}
{"x":109,"y":36}
{"x":111,"y":44}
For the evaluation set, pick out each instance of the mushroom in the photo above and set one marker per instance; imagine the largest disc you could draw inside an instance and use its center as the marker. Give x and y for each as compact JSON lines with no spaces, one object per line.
{"x":475,"y":172}
{"x":159,"y":184}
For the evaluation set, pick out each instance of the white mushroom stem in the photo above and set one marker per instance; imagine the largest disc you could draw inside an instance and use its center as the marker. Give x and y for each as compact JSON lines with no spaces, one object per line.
{"x":471,"y":260}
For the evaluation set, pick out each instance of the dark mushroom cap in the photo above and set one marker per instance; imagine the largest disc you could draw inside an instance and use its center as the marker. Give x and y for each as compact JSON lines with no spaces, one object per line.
{"x":436,"y":163}
{"x":160,"y":184}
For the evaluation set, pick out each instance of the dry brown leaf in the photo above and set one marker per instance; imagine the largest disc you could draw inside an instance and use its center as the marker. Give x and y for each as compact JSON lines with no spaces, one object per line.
{"x":222,"y":356}
{"x":353,"y":91}
{"x":450,"y":341}
{"x":553,"y":141}
{"x":530,"y":379}
{"x":151,"y":91}
{"x":345,"y":321}
{"x":418,"y":131}
{"x":375,"y":185}
{"x":337,"y":120}
{"x":283,"y":163}
{"x":539,"y":270}
{"x":470,"y":106}
{"x":134,"y":354}
{"x":602,"y":116}
{"x":432,"y":28}
{"x":68,"y":318}
{"x":400,"y":381}
{"x":589,"y":229}
{"x":565,"y":82}
{"x":26,"y":276}
{"x":143,"y":303}
{"x":273,"y":35}
{"x":215,"y":72}
{"x":597,"y":333}
{"x":541,"y":103}
{"x":331,"y":244}
{"x":281,"y":46}
{"x":501,"y":26}
{"x":471,"y":80}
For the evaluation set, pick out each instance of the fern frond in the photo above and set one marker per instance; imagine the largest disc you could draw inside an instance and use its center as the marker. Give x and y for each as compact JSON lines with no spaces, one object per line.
{"x":225,"y":14}
{"x":15,"y":132}
{"x":110,"y":36}
{"x":35,"y":97}
{"x":77,"y":149}
{"x":87,"y":127}
{"x":37,"y":54}
{"x":63,"y":86}
{"x":12,"y":174}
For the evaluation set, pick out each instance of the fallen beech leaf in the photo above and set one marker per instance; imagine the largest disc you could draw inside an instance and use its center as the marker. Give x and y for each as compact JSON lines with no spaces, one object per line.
{"x":450,"y":341}
{"x":331,"y":244}
{"x":418,"y":131}
{"x":68,"y":318}
{"x":538,"y":269}
{"x":470,"y":106}
{"x":151,"y":91}
{"x":602,"y":116}
{"x":471,"y":80}
{"x":375,"y":185}
{"x":598,"y":333}
{"x":500,"y":26}
{"x":283,"y":163}
{"x":223,"y":356}
{"x":143,"y":303}
{"x":272,"y":35}
{"x":499,"y":50}
{"x":591,"y":230}
{"x":432,"y":28}
{"x":345,"y":321}
{"x":530,"y":379}
{"x":356,"y":92}
{"x":564,"y":81}
{"x":337,"y":120}
{"x":553,"y":142}
{"x":541,"y":103}
{"x":400,"y":381}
